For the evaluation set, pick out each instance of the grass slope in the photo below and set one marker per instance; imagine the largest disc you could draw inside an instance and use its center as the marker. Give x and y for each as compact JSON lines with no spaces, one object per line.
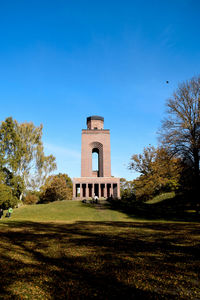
{"x":68,"y":250}
{"x":66,"y":211}
{"x":162,"y":197}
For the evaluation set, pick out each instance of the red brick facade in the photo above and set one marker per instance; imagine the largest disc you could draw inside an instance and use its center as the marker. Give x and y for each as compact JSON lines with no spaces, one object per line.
{"x":92,"y":182}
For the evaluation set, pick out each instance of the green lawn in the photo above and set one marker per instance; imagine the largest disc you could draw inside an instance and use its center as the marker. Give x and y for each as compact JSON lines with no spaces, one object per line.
{"x":67,"y":211}
{"x":69,"y":250}
{"x":162,"y":197}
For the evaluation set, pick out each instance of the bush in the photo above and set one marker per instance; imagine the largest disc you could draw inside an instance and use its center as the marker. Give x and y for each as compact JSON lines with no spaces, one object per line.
{"x":6,"y":197}
{"x":31,"y":198}
{"x":56,"y":190}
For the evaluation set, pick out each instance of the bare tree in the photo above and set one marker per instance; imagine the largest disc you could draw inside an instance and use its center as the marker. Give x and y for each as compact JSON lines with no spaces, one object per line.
{"x":181,"y":129}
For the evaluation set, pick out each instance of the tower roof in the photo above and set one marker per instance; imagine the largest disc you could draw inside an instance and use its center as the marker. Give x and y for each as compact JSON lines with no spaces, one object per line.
{"x":95,"y":118}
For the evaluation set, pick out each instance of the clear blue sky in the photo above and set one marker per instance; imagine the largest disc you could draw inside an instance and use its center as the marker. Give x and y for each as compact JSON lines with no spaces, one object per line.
{"x":61,"y":61}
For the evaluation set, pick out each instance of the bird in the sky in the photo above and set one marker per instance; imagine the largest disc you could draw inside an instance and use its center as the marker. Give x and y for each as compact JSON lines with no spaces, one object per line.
{"x":167,"y":81}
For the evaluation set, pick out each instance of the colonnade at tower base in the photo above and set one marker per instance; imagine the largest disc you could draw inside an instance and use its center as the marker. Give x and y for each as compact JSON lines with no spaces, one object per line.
{"x":103,"y":187}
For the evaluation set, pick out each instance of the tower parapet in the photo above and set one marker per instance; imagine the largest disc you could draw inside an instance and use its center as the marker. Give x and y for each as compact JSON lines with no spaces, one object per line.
{"x":95,"y":123}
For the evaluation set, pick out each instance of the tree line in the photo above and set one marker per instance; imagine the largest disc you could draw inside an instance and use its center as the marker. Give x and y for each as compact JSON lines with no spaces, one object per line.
{"x":24,"y":168}
{"x":173,"y":166}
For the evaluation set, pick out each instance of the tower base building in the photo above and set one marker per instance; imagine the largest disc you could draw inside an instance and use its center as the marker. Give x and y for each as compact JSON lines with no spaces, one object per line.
{"x":95,"y":181}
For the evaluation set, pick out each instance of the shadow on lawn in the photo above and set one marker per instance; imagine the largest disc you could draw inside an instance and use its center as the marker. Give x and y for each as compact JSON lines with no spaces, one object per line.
{"x":99,"y":260}
{"x":174,"y":209}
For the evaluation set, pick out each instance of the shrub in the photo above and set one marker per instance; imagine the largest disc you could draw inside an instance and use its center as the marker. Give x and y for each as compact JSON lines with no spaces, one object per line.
{"x":31,"y":198}
{"x":56,"y":190}
{"x":6,"y":197}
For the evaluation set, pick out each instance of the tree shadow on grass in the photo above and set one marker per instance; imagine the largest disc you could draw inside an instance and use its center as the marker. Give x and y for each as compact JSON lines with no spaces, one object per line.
{"x":169,"y":210}
{"x":99,"y":260}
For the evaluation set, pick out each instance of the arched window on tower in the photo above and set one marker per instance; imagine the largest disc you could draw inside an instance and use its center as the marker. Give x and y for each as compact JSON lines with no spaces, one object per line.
{"x":95,"y":162}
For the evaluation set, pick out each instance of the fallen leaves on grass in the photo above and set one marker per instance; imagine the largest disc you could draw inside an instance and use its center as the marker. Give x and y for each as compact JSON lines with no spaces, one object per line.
{"x":100,"y":260}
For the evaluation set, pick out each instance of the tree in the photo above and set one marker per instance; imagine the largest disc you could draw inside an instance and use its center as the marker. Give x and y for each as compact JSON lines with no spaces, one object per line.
{"x":142,"y":163}
{"x":45,"y":166}
{"x":68,"y":181}
{"x":181,"y":129}
{"x":56,"y":188}
{"x":9,"y":145}
{"x":15,"y":182}
{"x":7,"y":199}
{"x":160,"y":172}
{"x":31,"y":198}
{"x":22,"y":153}
{"x":127,"y":189}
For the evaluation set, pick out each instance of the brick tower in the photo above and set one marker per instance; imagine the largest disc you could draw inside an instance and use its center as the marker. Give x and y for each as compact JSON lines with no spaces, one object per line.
{"x":95,"y":139}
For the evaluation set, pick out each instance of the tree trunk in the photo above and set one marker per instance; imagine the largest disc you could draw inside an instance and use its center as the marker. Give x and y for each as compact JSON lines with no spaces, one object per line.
{"x":196,"y":178}
{"x":20,"y":197}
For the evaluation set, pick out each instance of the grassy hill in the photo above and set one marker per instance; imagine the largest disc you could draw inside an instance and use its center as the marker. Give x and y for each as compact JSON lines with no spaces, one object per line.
{"x":66,"y":211}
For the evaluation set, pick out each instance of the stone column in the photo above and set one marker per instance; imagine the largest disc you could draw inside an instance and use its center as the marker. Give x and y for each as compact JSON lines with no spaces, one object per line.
{"x":87,"y":191}
{"x":74,"y":190}
{"x":118,"y":190}
{"x":81,"y":191}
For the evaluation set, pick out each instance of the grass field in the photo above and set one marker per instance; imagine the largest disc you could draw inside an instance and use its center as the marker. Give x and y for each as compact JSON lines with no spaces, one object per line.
{"x":70,"y":250}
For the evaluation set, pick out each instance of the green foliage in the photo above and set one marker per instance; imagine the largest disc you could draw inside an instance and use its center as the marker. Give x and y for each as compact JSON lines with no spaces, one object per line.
{"x":7,"y":199}
{"x":160,"y":172}
{"x":142,"y":163}
{"x":127,"y":190}
{"x":57,"y":187}
{"x":23,"y":164}
{"x":33,"y":164}
{"x":14,"y":181}
{"x":67,"y":180}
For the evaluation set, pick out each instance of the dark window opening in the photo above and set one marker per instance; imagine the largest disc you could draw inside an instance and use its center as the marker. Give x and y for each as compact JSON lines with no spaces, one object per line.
{"x":108,"y":190}
{"x":84,"y":190}
{"x":90,"y":190}
{"x":96,"y":190}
